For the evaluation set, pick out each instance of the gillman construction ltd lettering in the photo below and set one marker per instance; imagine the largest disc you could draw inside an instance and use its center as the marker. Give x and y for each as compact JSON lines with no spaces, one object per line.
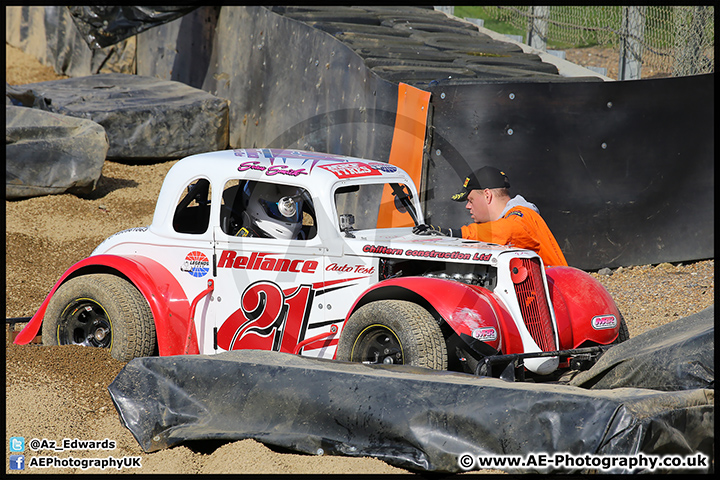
{"x":480,"y":257}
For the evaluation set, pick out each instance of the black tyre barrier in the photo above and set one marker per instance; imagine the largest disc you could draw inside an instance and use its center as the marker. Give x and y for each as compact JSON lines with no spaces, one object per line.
{"x":415,"y":27}
{"x":320,"y":16}
{"x":509,"y":72}
{"x":512,"y":57}
{"x":372,"y":62}
{"x":400,"y":11}
{"x":378,"y":41}
{"x":337,"y":10}
{"x":412,"y":74}
{"x":402,"y":52}
{"x":449,"y":41}
{"x":518,"y":62}
{"x":434,"y":17}
{"x":335,"y":28}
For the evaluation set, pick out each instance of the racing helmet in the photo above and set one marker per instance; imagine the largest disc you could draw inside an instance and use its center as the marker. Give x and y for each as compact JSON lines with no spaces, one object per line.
{"x":274,"y":210}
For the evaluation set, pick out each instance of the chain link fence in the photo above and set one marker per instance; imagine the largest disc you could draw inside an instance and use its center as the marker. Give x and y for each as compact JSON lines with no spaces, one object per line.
{"x":672,"y":40}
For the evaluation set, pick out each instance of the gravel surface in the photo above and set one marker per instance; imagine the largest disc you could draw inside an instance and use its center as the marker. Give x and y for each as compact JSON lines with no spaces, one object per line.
{"x":61,"y":392}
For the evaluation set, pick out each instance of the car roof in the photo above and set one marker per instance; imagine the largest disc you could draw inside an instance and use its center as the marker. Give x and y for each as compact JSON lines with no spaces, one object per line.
{"x":282,"y":166}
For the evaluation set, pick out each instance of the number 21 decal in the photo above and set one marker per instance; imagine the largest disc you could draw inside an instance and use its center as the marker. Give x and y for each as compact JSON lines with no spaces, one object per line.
{"x":269,"y":318}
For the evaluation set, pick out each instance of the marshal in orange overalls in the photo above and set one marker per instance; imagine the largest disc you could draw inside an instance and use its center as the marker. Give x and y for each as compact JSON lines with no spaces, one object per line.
{"x":520,"y":227}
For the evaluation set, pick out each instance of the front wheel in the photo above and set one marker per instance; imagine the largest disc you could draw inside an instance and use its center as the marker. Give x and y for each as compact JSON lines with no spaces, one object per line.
{"x":393,"y":332}
{"x":624,"y":333}
{"x":101,"y":310}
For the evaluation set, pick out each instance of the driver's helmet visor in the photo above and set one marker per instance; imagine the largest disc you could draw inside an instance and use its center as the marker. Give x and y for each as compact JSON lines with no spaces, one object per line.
{"x":287,"y":209}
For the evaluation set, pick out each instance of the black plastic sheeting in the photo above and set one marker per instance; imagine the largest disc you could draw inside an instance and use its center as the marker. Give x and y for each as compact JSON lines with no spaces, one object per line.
{"x":676,"y":356}
{"x":105,"y":25}
{"x":47,"y":153}
{"x":598,"y":159}
{"x":50,"y":34}
{"x":409,"y":417}
{"x":145,"y":118}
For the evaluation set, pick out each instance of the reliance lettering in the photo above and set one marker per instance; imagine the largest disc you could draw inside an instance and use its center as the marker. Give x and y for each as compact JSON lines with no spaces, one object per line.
{"x":263,"y":261}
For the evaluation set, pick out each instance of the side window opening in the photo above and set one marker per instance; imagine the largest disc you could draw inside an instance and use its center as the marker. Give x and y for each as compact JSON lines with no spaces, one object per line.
{"x":232,"y":207}
{"x":267,"y":210}
{"x":192,"y":214}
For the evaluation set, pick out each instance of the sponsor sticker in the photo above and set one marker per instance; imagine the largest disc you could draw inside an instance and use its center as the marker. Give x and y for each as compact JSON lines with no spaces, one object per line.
{"x":271,"y":170}
{"x":383,"y":167}
{"x":602,"y":322}
{"x":196,"y":264}
{"x":484,"y":334}
{"x":350,"y":169}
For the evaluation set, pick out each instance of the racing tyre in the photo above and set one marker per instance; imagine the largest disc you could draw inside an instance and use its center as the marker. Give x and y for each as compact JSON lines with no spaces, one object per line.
{"x":393,"y":332}
{"x":101,"y":310}
{"x":624,"y":333}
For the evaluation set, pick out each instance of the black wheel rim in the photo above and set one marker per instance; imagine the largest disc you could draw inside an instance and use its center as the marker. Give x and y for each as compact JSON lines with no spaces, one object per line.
{"x":377,"y":344}
{"x":85,"y":322}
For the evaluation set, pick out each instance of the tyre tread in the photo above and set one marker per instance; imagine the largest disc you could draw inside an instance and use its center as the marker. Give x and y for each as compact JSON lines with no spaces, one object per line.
{"x":419,"y":329}
{"x":133,"y":326}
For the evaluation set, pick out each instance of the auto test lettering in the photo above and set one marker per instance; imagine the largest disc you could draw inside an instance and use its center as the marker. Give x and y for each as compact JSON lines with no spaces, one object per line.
{"x":334,"y":267}
{"x":263,"y":261}
{"x":269,"y":318}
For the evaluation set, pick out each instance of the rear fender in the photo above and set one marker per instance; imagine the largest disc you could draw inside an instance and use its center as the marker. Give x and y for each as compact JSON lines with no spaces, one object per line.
{"x":168,"y":302}
{"x":584,"y":310}
{"x":467,"y":309}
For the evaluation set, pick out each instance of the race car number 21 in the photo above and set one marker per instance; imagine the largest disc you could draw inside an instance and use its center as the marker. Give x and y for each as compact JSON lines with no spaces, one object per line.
{"x":269,"y":318}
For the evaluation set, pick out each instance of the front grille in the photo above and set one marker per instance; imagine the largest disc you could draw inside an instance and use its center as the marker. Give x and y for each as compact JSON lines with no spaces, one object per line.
{"x":534,"y":306}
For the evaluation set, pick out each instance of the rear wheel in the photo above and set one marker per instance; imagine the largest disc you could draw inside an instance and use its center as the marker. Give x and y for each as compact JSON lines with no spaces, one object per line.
{"x":101,"y":310}
{"x":393,"y":332}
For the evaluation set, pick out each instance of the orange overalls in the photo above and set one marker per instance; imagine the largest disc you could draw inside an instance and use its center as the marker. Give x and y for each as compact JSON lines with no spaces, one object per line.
{"x":520,"y":227}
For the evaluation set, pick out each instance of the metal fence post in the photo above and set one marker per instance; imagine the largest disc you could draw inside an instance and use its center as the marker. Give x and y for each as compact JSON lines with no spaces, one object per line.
{"x":631,"y":38}
{"x":538,"y":27}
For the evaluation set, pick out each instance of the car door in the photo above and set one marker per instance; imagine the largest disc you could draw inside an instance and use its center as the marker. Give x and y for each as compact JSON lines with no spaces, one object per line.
{"x":188,"y":254}
{"x":266,"y":288}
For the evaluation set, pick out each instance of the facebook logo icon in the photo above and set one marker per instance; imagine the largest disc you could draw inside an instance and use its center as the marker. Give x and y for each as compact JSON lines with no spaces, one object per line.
{"x":17,"y":462}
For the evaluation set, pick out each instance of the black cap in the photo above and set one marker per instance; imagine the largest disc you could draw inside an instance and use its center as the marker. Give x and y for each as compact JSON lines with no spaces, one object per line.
{"x":486,"y":177}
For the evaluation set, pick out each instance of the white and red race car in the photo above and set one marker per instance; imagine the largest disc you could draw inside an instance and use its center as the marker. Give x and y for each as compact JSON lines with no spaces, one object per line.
{"x":313,"y":254}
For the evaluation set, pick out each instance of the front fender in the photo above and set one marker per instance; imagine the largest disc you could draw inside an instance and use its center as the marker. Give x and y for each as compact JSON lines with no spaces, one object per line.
{"x":467,"y":309}
{"x":168,"y":302}
{"x":584,"y":310}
